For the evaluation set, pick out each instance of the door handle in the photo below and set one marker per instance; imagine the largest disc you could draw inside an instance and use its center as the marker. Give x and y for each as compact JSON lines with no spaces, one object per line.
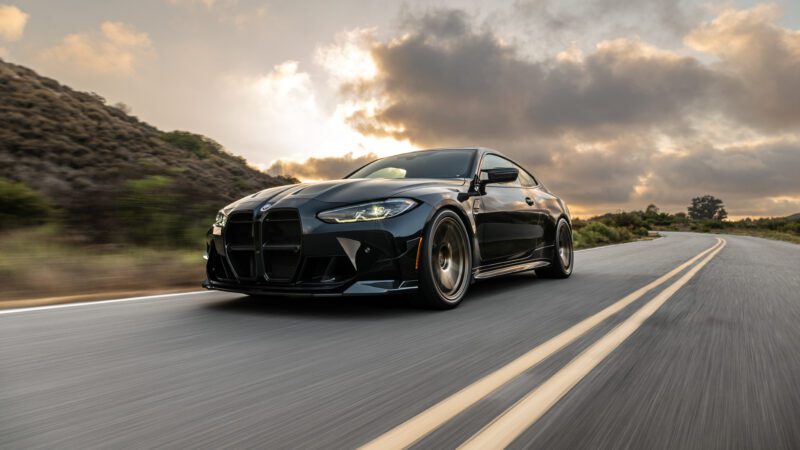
{"x":529,"y":201}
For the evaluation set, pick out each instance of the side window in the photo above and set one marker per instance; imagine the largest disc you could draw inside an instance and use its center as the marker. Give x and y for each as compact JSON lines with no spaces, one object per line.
{"x":496,"y":162}
{"x":526,"y":179}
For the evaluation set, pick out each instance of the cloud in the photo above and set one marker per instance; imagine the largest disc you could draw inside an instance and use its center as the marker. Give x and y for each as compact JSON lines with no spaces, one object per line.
{"x":763,"y":60}
{"x":12,"y":22}
{"x":321,"y":168}
{"x":115,"y":50}
{"x":548,"y":25}
{"x":207,"y":3}
{"x":348,"y":57}
{"x":447,"y":81}
{"x":763,"y":170}
{"x":281,"y":113}
{"x":228,"y":11}
{"x":622,"y":124}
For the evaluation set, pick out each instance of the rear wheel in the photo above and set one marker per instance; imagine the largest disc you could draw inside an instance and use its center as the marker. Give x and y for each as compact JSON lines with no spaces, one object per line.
{"x":446,"y":266}
{"x":563,"y":254}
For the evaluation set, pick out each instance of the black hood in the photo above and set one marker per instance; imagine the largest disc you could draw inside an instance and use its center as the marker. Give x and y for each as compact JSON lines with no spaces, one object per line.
{"x":348,"y":191}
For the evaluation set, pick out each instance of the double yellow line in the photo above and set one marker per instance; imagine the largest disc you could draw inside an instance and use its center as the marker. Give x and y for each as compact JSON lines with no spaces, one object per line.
{"x":509,"y":425}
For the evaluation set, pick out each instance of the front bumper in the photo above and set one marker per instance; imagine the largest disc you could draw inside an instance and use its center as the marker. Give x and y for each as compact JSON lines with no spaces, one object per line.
{"x":356,"y":288}
{"x":273,"y":253}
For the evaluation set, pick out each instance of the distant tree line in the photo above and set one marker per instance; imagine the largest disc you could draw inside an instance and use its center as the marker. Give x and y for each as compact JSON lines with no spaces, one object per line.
{"x":705,"y":213}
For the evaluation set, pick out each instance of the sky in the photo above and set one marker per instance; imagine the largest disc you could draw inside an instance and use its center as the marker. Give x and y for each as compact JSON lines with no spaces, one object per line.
{"x":613,"y":104}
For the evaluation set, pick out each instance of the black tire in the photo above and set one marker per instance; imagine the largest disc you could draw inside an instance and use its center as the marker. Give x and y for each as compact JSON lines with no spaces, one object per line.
{"x":563,"y":254}
{"x":445,"y":269}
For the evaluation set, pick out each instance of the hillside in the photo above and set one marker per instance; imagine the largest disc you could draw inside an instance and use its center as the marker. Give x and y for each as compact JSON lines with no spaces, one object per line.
{"x":90,"y":160}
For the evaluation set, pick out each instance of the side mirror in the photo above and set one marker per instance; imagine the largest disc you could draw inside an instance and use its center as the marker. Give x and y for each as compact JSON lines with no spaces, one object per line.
{"x":503,"y":175}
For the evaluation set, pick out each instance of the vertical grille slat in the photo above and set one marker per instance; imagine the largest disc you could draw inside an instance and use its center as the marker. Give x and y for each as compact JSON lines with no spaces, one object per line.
{"x":281,"y":236}
{"x":240,"y":244}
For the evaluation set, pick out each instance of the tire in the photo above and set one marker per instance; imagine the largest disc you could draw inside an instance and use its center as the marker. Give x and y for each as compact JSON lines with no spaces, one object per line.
{"x":563,"y":254}
{"x":445,"y":269}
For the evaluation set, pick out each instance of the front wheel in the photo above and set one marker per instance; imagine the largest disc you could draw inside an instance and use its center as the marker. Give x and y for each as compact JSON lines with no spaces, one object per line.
{"x":563,"y":256}
{"x":446,"y":266}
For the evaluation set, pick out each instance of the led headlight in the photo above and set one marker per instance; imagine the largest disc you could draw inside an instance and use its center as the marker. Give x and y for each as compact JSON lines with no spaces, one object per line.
{"x":365,"y":212}
{"x":221,"y":219}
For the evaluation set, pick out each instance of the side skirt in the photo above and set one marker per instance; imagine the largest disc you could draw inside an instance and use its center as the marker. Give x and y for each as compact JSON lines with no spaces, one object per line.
{"x":521,"y":267}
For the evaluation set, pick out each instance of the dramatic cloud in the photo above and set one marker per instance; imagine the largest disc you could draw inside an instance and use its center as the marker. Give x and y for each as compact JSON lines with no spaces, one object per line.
{"x":472,"y":86}
{"x":12,"y":22}
{"x":616,"y":126}
{"x":115,"y":50}
{"x":321,"y":168}
{"x":764,"y":61}
{"x":280,"y":112}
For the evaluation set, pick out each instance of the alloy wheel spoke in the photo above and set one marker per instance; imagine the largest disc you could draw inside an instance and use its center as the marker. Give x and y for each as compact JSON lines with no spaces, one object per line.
{"x":448,"y":255}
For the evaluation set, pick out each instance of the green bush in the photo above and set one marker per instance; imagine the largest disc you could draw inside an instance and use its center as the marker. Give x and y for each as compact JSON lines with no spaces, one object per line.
{"x":21,"y":206}
{"x":200,"y":146}
{"x":792,"y":227}
{"x":157,"y":211}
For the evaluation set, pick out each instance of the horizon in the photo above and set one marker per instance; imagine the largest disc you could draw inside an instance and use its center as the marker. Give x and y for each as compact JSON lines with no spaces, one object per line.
{"x":613,"y":106}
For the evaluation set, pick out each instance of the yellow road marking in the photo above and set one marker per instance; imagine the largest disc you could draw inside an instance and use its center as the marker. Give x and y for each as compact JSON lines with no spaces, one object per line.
{"x":414,"y":429}
{"x":514,"y":421}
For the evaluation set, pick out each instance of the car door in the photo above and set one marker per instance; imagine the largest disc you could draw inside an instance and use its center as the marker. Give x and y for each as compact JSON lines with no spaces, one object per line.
{"x":537,"y":199}
{"x":507,"y":225}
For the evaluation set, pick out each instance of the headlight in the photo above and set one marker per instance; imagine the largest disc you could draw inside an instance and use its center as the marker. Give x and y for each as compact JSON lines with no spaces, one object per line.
{"x":221,"y":219}
{"x":368,"y":211}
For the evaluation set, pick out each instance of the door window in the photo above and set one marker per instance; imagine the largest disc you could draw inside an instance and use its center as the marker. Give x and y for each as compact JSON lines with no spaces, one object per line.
{"x":496,"y":162}
{"x":525,"y":179}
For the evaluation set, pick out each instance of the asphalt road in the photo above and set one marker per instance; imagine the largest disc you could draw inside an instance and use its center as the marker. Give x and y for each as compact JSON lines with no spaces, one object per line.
{"x":716,"y":365}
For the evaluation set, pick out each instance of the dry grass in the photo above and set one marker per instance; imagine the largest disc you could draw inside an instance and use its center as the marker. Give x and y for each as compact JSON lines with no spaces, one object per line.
{"x":38,"y":263}
{"x":767,"y":234}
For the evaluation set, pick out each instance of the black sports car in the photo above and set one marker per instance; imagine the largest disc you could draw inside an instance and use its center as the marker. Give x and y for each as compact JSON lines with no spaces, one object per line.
{"x":430,"y":222}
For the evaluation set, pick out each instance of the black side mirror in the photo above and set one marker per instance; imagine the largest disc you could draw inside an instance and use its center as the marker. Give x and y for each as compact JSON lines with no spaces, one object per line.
{"x":501,"y":175}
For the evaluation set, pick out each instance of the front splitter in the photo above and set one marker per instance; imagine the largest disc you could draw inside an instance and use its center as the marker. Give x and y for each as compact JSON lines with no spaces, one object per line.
{"x":359,"y":288}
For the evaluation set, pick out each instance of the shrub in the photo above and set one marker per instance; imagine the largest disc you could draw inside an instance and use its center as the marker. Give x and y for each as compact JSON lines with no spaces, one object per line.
{"x":159,"y":211}
{"x":21,"y":206}
{"x":200,"y":146}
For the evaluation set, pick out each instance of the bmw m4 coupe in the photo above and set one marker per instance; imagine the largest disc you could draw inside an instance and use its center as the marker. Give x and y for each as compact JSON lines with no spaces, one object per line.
{"x":429,"y":222}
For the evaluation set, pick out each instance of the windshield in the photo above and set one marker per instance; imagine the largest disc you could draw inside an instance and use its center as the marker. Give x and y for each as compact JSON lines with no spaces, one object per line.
{"x":424,"y":164}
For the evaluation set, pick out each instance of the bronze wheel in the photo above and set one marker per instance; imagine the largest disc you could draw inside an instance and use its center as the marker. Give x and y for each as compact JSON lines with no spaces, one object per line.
{"x":446,"y":269}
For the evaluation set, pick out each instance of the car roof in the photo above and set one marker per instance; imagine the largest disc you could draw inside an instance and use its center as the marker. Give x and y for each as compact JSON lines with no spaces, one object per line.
{"x":480,"y":150}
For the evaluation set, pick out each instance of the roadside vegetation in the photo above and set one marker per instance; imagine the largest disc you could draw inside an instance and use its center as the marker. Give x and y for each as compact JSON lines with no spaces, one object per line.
{"x":705,"y":214}
{"x":154,"y":242}
{"x":43,"y":262}
{"x":92,"y":199}
{"x":614,"y":228}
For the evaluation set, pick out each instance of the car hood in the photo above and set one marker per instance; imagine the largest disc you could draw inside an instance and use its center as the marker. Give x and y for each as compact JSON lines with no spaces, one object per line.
{"x":347,"y":191}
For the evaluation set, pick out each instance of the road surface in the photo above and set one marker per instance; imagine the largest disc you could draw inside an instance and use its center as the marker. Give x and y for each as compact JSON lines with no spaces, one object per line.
{"x":617,"y":356}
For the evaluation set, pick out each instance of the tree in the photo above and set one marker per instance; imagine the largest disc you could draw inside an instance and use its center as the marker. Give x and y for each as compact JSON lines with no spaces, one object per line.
{"x":707,"y":207}
{"x":652,"y":210}
{"x":123,"y":107}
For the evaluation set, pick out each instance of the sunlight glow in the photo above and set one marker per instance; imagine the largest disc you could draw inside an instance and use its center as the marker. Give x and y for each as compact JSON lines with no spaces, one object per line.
{"x":348,"y":58}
